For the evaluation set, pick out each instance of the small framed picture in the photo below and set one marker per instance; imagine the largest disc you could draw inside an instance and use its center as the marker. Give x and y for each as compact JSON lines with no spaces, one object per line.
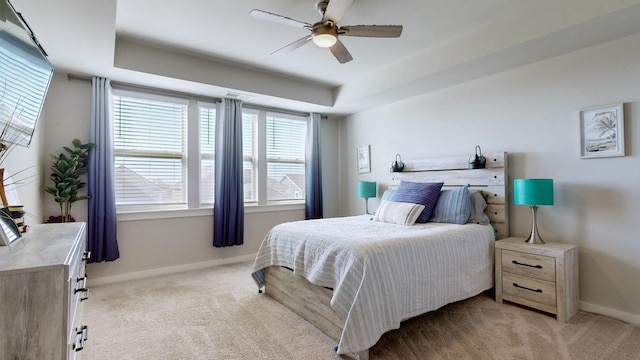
{"x":602,"y":132}
{"x":364,"y":166}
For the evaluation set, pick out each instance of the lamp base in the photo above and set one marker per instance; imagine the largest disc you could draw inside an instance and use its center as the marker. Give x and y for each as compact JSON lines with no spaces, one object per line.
{"x":534,"y":237}
{"x":534,"y":240}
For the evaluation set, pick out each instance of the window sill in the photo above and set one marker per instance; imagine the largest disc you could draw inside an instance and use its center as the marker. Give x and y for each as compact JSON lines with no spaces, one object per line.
{"x":184,"y":213}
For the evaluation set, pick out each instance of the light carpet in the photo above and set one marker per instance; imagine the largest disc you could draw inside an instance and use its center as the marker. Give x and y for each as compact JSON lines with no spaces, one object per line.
{"x":217,"y":313}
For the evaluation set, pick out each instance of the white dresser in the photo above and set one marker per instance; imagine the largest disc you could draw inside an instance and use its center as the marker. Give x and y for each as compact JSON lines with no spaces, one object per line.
{"x":42,"y":288}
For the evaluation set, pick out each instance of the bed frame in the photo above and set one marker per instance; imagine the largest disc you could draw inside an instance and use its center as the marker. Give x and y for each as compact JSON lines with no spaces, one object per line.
{"x":312,"y":302}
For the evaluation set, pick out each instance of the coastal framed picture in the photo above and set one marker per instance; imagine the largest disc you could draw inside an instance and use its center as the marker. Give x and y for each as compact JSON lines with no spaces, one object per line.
{"x":362,"y":153}
{"x":602,"y":131}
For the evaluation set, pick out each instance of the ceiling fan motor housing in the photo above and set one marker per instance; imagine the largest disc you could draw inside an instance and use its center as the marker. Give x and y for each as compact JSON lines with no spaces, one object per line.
{"x":327,"y":27}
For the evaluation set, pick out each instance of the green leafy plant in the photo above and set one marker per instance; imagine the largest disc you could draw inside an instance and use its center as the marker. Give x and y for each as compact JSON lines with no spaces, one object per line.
{"x":66,"y":174}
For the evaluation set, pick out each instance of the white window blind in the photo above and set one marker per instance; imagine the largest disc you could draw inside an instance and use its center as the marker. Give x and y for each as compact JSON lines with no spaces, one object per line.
{"x":207,"y":114}
{"x":285,"y":150}
{"x":249,"y":155}
{"x":149,"y":149}
{"x":24,"y":81}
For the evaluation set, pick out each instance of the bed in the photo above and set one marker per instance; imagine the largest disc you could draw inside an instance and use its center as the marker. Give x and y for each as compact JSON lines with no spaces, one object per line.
{"x":355,"y":278}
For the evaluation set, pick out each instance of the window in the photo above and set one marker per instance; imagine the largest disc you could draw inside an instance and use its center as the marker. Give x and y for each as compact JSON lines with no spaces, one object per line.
{"x":207,"y":115}
{"x":149,"y":149}
{"x":164,"y":153}
{"x":250,"y":119}
{"x":285,"y":157}
{"x":274,"y":156}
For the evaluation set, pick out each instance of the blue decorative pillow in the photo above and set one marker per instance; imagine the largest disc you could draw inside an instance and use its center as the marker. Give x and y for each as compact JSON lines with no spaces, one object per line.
{"x":419,"y":193}
{"x":388,"y":194}
{"x":453,"y":206}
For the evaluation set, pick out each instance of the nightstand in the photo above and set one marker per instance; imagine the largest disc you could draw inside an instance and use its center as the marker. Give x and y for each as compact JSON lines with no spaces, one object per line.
{"x":540,"y":276}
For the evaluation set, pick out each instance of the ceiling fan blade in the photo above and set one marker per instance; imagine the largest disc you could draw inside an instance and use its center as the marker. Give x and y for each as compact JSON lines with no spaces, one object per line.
{"x":384,"y":31}
{"x":336,"y":9}
{"x":341,"y":53}
{"x":294,"y":45}
{"x":264,"y":15}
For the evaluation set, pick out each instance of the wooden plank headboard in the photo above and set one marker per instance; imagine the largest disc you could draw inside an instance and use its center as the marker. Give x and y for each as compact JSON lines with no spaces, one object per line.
{"x":454,"y":171}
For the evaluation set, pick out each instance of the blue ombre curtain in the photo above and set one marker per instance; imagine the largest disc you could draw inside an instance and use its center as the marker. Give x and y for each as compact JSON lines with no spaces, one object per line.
{"x":101,"y":226}
{"x":228,"y":209}
{"x":313,"y":170}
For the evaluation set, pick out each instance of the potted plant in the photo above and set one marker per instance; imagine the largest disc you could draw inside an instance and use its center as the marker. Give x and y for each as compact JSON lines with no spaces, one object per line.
{"x":66,"y":174}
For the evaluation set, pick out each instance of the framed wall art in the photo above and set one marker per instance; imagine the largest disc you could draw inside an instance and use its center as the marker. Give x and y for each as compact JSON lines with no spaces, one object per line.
{"x":602,"y":132}
{"x":364,"y":165}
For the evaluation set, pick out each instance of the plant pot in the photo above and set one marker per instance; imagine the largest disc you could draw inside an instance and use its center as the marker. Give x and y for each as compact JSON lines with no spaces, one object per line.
{"x":57,"y":219}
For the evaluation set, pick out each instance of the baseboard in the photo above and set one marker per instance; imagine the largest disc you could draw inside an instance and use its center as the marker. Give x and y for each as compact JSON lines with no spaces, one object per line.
{"x":632,"y":319}
{"x":168,"y":270}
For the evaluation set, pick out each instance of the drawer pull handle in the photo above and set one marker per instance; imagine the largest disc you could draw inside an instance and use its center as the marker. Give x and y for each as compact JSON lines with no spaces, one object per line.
{"x":83,"y":288}
{"x":533,"y":266}
{"x":86,"y":256}
{"x":526,"y":288}
{"x":86,"y":295}
{"x":83,"y":331}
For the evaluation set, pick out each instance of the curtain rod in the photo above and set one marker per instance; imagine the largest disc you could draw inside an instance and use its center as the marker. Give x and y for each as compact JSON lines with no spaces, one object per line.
{"x":275,"y":109}
{"x":158,"y":91}
{"x":148,"y":89}
{"x":78,"y":77}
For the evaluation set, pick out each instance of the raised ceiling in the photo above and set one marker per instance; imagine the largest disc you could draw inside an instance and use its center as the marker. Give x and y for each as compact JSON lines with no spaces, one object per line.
{"x":213,"y":47}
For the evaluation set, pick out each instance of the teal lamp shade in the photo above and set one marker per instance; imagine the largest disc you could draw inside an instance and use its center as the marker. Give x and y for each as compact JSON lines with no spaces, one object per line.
{"x":366,"y":190}
{"x":533,"y":192}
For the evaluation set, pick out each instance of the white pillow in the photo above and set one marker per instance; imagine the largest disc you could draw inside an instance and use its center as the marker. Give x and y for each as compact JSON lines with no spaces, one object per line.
{"x":398,"y":212}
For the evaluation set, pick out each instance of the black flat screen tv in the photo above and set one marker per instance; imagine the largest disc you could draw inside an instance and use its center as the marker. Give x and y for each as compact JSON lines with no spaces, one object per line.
{"x":25,"y":76}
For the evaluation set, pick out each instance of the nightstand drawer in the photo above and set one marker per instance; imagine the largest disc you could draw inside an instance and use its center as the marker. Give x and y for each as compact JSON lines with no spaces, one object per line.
{"x":539,"y":291}
{"x":531,"y":265}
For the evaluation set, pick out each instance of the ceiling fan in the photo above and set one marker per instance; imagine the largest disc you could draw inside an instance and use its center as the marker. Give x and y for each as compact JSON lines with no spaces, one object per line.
{"x":325,"y":32}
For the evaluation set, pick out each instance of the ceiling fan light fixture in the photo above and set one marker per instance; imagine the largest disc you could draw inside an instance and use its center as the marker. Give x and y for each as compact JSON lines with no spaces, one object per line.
{"x":324,"y":40}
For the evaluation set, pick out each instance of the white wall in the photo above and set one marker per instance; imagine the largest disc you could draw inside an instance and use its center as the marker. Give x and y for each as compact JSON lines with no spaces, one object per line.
{"x":153,"y":247}
{"x":150,"y":247}
{"x":532,"y":113}
{"x":68,"y":110}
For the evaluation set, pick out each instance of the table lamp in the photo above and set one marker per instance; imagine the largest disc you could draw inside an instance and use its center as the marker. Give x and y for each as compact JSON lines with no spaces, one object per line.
{"x":533,"y":192}
{"x":366,"y":190}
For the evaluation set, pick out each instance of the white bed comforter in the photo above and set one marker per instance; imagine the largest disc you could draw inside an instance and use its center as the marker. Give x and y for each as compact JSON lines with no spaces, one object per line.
{"x":380,"y":273}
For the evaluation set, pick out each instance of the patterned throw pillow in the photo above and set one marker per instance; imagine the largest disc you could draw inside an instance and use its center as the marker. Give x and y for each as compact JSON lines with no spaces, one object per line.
{"x":453,"y":206}
{"x":419,"y":193}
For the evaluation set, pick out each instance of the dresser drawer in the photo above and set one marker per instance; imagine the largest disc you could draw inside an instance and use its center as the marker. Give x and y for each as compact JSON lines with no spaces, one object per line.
{"x":78,"y":292}
{"x":539,"y":291}
{"x":530,"y":265}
